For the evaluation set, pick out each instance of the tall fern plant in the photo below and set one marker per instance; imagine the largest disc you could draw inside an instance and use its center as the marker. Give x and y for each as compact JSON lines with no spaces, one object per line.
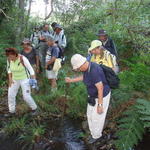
{"x":133,"y":125}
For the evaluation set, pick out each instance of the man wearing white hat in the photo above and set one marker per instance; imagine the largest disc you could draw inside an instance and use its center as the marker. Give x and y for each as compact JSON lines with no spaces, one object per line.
{"x":98,"y":93}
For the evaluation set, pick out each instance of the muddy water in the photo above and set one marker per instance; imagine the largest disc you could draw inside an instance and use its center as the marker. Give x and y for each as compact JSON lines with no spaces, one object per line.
{"x":64,"y":135}
{"x":67,"y":133}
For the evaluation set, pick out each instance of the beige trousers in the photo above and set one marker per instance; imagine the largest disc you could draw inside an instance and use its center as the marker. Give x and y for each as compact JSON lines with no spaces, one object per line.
{"x":96,"y":121}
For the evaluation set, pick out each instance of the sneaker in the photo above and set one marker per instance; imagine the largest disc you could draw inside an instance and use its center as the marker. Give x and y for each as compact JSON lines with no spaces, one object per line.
{"x":92,"y":140}
{"x":34,"y":112}
{"x":9,"y":115}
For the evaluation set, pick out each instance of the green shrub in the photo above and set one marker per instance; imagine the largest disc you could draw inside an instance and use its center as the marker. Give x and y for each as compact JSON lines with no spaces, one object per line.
{"x":77,"y":101}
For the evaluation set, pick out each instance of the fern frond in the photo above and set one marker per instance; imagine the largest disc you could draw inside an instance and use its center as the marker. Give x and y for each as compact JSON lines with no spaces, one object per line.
{"x":143,"y":107}
{"x":132,"y":125}
{"x":131,"y":130}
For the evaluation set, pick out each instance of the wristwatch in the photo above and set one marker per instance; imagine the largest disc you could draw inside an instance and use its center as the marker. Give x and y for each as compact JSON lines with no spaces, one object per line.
{"x":100,"y":104}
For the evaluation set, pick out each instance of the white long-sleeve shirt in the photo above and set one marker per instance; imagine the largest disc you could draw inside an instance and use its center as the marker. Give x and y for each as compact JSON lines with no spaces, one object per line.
{"x":60,"y":38}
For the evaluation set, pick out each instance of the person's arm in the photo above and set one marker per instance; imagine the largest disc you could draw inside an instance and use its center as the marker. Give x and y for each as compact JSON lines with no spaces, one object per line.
{"x":55,"y":54}
{"x":37,"y":59}
{"x":73,"y":80}
{"x":31,"y":37}
{"x":29,"y":67}
{"x":52,"y":60}
{"x":99,"y":87}
{"x":96,"y":78}
{"x":62,"y":41}
{"x":41,"y":37}
{"x":37,"y":63}
{"x":10,"y":81}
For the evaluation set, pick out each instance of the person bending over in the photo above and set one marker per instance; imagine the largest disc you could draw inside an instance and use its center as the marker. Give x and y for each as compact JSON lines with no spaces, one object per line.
{"x":98,"y":93}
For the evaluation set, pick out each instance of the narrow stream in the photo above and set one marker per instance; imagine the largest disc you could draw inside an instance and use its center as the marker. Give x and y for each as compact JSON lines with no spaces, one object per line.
{"x":64,"y":135}
{"x":67,"y":133}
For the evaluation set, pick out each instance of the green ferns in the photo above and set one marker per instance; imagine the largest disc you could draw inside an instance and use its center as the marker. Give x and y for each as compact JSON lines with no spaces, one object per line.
{"x":133,"y":125}
{"x":143,"y":107}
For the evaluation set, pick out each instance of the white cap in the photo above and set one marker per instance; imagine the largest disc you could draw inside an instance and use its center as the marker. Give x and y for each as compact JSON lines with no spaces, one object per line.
{"x":77,"y":61}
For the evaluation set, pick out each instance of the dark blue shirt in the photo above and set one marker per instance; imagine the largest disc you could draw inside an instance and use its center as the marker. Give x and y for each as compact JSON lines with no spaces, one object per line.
{"x":92,"y":76}
{"x":54,"y":51}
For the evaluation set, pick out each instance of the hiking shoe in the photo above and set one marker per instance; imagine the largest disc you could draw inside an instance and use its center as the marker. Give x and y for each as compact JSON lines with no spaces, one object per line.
{"x":9,"y":115}
{"x":34,"y":112}
{"x":92,"y":140}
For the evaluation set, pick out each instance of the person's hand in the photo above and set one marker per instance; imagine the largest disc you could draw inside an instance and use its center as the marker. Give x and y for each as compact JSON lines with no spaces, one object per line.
{"x":32,"y":76}
{"x":100,"y":109}
{"x":37,"y":70}
{"x":10,"y":83}
{"x":42,"y":38}
{"x":68,"y":80}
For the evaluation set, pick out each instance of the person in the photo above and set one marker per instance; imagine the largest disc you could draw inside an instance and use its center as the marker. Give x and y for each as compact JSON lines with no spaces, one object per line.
{"x":107,"y":42}
{"x":42,"y":44}
{"x":31,"y":54}
{"x":17,"y":66}
{"x":34,"y":38}
{"x":100,"y":55}
{"x":98,"y":93}
{"x":52,"y":54}
{"x":53,"y":27}
{"x":59,"y":37}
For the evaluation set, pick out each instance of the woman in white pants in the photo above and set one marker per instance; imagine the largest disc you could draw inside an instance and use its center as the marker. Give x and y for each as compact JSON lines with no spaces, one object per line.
{"x":98,"y":93}
{"x":18,"y":67}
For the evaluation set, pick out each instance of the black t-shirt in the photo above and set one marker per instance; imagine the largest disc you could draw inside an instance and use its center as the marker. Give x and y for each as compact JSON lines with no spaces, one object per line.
{"x":31,"y":56}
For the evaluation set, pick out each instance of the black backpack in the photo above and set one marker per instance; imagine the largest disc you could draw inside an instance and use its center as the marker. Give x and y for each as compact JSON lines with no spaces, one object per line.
{"x":112,"y":79}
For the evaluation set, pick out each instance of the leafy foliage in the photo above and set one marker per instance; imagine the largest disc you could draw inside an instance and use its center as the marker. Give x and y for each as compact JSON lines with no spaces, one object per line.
{"x":132,"y":126}
{"x":15,"y":126}
{"x":77,"y":102}
{"x":144,"y":111}
{"x":82,"y":20}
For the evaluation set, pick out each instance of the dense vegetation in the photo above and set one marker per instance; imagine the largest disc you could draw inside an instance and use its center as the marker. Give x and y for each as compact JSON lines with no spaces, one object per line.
{"x":127,"y":22}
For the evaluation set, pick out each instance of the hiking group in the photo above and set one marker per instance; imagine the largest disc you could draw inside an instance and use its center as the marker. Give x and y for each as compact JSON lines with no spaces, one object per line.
{"x":44,"y":53}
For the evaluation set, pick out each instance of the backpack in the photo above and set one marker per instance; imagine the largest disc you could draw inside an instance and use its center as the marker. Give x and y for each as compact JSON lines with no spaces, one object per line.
{"x":112,"y":79}
{"x":113,"y":57}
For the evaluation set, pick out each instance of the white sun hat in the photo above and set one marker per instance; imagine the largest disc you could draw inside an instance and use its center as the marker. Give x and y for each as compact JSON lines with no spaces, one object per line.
{"x":77,"y":61}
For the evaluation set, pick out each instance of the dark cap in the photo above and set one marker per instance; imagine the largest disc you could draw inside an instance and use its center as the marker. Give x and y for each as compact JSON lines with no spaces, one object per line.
{"x":26,"y":41}
{"x":101,"y":32}
{"x":53,"y":24}
{"x":58,"y":26}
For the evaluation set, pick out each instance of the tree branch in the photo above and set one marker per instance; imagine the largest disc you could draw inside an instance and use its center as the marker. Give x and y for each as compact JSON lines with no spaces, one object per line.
{"x":1,"y":11}
{"x":51,"y":4}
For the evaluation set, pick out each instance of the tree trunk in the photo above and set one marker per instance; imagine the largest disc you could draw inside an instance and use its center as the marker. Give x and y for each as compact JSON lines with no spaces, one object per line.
{"x":20,"y":27}
{"x":28,"y":15}
{"x":51,"y":4}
